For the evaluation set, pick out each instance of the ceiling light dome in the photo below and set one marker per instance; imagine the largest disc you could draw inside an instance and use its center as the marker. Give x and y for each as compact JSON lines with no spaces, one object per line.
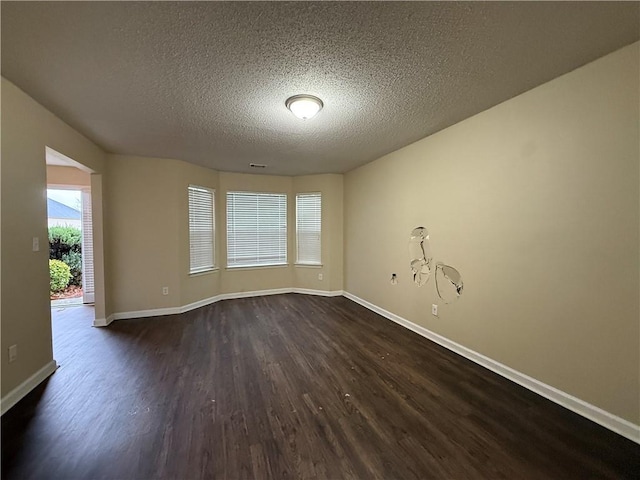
{"x":304,"y":106}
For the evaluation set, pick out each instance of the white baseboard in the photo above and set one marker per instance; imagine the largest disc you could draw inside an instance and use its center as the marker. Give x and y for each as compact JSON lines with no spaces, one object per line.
{"x":255,"y":293}
{"x":587,"y":410}
{"x":200,"y":303}
{"x":102,"y":322}
{"x":158,"y":312}
{"x":321,"y":293}
{"x":18,"y":393}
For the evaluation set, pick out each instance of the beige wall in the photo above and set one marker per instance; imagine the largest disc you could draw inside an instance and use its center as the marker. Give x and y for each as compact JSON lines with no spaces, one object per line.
{"x":143,"y":232}
{"x":535,"y":202}
{"x":148,"y":234}
{"x":261,"y":278}
{"x":67,"y":176}
{"x":201,"y":286}
{"x":27,"y":129}
{"x":265,"y":278}
{"x":331,"y":188}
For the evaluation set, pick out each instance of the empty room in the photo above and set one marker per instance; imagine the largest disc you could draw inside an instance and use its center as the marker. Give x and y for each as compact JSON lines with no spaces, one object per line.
{"x":321,"y":240}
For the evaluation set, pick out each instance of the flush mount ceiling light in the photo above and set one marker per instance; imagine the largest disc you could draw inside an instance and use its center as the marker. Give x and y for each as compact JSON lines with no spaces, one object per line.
{"x":304,"y":106}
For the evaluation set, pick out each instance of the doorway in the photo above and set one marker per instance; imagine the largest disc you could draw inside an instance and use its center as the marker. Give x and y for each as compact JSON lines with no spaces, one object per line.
{"x":66,"y":174}
{"x":71,"y":242}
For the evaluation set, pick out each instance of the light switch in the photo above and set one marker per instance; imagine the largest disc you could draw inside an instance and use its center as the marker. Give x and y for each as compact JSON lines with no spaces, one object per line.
{"x":36,"y":244}
{"x":13,"y":353}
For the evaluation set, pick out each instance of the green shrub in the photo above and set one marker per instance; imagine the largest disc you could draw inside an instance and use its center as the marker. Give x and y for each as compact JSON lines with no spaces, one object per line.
{"x":59,"y":275}
{"x":74,"y":260}
{"x":68,"y":236}
{"x":64,"y":241}
{"x":65,"y":244}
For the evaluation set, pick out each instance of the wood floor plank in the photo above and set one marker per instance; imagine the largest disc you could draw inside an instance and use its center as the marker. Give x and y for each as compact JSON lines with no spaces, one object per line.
{"x":287,"y":387}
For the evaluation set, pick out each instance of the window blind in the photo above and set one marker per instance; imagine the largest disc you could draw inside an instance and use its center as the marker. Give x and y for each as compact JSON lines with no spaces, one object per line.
{"x":201,"y":229}
{"x":256,"y":229}
{"x":308,"y":228}
{"x":88,"y":280}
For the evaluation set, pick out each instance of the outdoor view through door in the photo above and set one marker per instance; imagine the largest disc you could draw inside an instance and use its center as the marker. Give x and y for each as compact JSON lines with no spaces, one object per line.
{"x":70,"y":246}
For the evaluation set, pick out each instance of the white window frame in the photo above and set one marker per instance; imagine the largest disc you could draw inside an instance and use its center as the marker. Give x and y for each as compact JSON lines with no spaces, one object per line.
{"x":88,"y":277}
{"x":311,"y":248}
{"x":207,"y":262}
{"x":244,"y":253}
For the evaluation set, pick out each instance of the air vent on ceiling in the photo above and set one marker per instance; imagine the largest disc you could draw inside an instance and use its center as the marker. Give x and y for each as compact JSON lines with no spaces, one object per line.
{"x":257,"y":165}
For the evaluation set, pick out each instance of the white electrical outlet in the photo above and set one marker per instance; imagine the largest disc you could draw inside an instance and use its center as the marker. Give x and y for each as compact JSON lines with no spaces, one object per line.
{"x":434,"y":310}
{"x":13,"y":353}
{"x":320,"y":276}
{"x":165,"y":290}
{"x":36,"y":244}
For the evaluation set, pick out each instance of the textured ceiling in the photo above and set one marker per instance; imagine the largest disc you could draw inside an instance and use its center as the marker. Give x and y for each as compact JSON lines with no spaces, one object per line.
{"x":207,"y":82}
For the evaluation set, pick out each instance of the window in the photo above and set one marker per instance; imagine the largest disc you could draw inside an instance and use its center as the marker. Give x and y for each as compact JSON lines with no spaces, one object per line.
{"x":256,"y":229}
{"x":308,"y":227}
{"x":201,"y":229}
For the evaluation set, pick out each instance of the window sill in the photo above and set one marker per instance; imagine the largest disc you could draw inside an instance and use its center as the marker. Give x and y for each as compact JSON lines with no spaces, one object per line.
{"x":204,"y":272}
{"x":257,"y":267}
{"x":309,"y":265}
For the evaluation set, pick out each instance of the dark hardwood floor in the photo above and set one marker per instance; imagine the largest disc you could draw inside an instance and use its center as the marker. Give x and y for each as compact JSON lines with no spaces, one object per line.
{"x":288,"y":387}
